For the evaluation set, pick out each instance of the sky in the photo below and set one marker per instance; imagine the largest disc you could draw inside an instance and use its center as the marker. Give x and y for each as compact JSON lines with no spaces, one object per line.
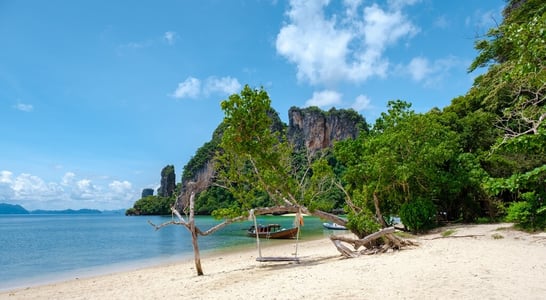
{"x":97,"y":96}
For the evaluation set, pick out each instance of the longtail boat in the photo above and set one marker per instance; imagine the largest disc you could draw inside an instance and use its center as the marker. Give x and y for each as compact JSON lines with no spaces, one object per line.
{"x":273,"y":231}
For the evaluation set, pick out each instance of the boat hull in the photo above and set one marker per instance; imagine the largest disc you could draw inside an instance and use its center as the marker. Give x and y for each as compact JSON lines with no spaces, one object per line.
{"x":333,"y":226}
{"x":289,"y":233}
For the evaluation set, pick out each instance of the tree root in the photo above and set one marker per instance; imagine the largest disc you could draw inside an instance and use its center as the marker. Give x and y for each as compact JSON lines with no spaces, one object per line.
{"x":390,"y":242}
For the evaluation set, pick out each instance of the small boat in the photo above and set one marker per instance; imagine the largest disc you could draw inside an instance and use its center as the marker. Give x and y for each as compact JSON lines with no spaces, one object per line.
{"x":334,"y":226}
{"x":273,"y":231}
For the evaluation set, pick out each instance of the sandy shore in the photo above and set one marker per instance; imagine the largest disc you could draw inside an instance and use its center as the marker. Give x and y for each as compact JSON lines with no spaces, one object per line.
{"x":475,"y":262}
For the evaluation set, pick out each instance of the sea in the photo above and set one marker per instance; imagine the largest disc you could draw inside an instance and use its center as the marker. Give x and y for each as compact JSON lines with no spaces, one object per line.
{"x":42,"y":249}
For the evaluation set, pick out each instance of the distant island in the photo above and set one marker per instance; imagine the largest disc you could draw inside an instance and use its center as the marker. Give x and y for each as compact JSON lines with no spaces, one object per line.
{"x":15,"y":209}
{"x":66,"y":211}
{"x":11,"y":209}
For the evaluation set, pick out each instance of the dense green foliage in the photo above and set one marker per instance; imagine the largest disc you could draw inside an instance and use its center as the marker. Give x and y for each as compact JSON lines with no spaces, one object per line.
{"x":151,"y":205}
{"x":418,"y":215}
{"x":203,"y":155}
{"x":514,"y":89}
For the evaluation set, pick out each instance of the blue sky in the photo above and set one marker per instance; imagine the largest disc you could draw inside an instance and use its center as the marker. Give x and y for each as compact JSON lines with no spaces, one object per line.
{"x":96,"y":97}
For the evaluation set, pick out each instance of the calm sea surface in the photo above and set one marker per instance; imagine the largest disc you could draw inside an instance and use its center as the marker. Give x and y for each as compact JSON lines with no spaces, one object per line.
{"x":36,"y":249}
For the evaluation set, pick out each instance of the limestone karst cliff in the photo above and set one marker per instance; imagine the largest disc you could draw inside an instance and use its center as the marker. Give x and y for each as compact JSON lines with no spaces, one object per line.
{"x":168,"y":182}
{"x":315,"y":129}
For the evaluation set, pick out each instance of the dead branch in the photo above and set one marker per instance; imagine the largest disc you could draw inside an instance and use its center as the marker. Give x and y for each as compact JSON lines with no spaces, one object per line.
{"x":165,"y":224}
{"x":345,"y":251}
{"x":528,"y":113}
{"x":391,"y":242}
{"x":456,"y":236}
{"x":348,"y":199}
{"x":220,"y":226}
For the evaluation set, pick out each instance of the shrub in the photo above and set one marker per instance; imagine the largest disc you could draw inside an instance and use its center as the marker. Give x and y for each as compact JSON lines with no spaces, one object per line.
{"x":529,"y":214}
{"x":362,"y":223}
{"x":418,"y":215}
{"x":519,"y":212}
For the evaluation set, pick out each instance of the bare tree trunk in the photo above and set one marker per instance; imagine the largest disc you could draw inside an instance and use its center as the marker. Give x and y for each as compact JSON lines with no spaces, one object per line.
{"x":194,"y":236}
{"x":195,"y":245}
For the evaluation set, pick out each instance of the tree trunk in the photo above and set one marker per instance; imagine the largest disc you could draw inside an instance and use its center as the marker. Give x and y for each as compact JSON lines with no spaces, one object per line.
{"x":378,"y":211}
{"x":194,"y":236}
{"x":195,"y":245}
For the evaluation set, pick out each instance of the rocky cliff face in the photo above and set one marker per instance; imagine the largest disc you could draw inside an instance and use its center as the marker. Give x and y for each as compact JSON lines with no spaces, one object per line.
{"x":168,"y":182}
{"x":316,"y":129}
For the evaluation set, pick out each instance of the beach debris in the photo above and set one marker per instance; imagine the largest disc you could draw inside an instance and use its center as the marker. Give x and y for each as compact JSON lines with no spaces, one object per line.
{"x":389,"y":242}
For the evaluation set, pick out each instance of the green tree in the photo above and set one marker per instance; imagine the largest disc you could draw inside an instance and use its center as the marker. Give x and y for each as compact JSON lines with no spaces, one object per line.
{"x":257,"y":159}
{"x":251,"y":151}
{"x":405,"y":157}
{"x":514,"y":89}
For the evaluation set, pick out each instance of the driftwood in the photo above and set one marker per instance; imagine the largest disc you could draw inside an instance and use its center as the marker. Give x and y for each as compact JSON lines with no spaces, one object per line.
{"x":456,"y":236}
{"x":390,"y":241}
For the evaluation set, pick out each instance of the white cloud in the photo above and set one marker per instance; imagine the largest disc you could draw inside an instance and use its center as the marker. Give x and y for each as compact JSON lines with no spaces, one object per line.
{"x":399,"y":4}
{"x":224,"y":85}
{"x":419,"y":68}
{"x":194,"y":88}
{"x":362,"y":102}
{"x":5,"y":176}
{"x":170,"y":37}
{"x":32,"y":192}
{"x":68,"y":178}
{"x":383,"y":28}
{"x":84,"y":189}
{"x":120,"y":187}
{"x":189,"y":88}
{"x":24,"y":107}
{"x":351,"y":8}
{"x":324,"y":98}
{"x":28,"y":186}
{"x":6,"y":192}
{"x":348,"y":46}
{"x":431,"y":73}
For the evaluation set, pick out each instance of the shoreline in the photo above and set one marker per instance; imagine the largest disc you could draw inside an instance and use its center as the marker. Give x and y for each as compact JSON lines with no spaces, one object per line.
{"x":477,"y":261}
{"x":135,"y":265}
{"x":115,"y":268}
{"x":36,"y":260}
{"x":88,"y":272}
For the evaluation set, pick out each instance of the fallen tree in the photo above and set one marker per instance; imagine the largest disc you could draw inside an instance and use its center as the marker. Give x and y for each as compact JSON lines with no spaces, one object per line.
{"x":389,"y":241}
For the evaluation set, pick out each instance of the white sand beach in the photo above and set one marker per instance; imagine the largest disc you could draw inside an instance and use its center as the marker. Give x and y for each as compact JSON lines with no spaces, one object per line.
{"x":475,"y":262}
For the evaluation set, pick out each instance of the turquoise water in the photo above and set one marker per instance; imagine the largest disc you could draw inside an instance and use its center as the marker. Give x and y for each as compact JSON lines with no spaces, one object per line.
{"x":37,"y":249}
